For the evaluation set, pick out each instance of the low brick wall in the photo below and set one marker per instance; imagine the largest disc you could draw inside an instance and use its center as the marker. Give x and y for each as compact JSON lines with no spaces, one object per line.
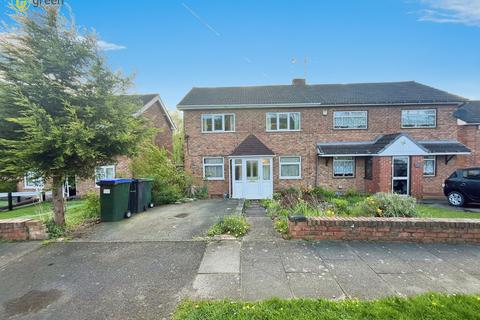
{"x":22,"y":229}
{"x":385,"y":229}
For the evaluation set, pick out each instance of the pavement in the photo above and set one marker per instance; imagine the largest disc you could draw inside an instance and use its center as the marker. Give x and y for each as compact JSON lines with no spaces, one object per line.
{"x":141,"y":268}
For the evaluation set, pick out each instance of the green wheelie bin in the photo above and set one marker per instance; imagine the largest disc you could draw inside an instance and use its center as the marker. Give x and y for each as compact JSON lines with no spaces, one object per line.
{"x":114,"y":199}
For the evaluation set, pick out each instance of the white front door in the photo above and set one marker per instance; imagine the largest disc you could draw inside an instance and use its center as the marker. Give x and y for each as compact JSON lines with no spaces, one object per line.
{"x":252,"y":178}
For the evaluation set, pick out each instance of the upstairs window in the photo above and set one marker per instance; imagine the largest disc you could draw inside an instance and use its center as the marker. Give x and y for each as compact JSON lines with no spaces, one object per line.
{"x":343,"y":166}
{"x":218,"y":123}
{"x":283,"y":121}
{"x":104,"y":172}
{"x":423,"y":118}
{"x":350,"y":120}
{"x":429,"y":166}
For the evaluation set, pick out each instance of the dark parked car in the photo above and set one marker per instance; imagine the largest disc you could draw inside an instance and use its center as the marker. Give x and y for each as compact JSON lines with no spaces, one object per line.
{"x":463,"y":186}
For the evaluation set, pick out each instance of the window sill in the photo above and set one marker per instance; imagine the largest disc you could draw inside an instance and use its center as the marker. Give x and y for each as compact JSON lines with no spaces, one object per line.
{"x":350,"y":128}
{"x":281,"y":131}
{"x":290,"y":178}
{"x":214,"y":179}
{"x":352,"y":177}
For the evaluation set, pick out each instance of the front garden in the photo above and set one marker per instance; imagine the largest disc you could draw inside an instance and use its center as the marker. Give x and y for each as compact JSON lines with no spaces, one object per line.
{"x":320,"y":202}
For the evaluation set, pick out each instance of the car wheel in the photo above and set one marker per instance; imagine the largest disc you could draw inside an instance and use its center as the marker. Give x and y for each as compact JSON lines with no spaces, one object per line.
{"x":128,"y":214}
{"x":456,"y":199}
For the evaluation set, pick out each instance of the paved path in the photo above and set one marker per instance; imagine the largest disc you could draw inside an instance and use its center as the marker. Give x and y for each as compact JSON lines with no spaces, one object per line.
{"x":269,"y":266}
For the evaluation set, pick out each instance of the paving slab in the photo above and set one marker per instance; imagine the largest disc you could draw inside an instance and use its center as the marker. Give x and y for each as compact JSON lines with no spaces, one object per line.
{"x":314,"y":285}
{"x":261,"y":228}
{"x":357,"y":279}
{"x":217,"y":286}
{"x":410,"y":251}
{"x":412,"y":283}
{"x":221,"y":257}
{"x":334,"y":250}
{"x":448,"y":276}
{"x":389,"y":265}
{"x":300,"y":257}
{"x":264,"y":281}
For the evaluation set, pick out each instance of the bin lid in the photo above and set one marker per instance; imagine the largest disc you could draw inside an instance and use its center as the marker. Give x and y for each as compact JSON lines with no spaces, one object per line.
{"x":143,"y":179}
{"x":114,"y":181}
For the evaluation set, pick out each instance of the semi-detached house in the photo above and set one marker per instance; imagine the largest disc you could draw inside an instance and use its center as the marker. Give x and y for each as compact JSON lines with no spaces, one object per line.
{"x":402,"y":137}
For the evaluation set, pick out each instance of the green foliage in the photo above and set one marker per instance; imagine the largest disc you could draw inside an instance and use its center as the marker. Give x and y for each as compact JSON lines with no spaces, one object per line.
{"x":92,"y":205}
{"x":323,"y":193}
{"x":201,"y":192}
{"x":54,"y":231}
{"x":341,"y":205}
{"x":429,"y":306}
{"x":395,"y":205}
{"x":178,"y":138}
{"x":169,"y":183}
{"x":281,"y":225}
{"x":8,"y":186}
{"x":234,"y":225}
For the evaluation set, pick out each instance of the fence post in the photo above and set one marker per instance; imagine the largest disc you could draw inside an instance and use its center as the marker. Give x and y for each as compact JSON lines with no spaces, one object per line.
{"x":10,"y":202}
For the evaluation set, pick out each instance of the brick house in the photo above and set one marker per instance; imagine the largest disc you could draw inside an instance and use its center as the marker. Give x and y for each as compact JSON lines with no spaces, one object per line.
{"x":155,"y":111}
{"x":403,"y":137}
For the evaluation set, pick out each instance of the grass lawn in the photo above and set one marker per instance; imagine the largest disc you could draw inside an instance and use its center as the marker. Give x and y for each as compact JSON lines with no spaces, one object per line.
{"x":428,"y":211}
{"x":44,"y":210}
{"x":424,"y":307}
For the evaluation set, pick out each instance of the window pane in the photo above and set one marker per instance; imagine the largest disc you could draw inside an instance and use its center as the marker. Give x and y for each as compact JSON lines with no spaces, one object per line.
{"x":252,"y":169}
{"x":238,"y":172}
{"x":213,"y":160}
{"x":266,"y":172}
{"x":110,"y":172}
{"x":218,"y":120}
{"x":400,"y":167}
{"x":429,"y":165}
{"x":207,"y":123}
{"x":290,"y":170}
{"x":350,"y":120}
{"x":343,"y":166}
{"x":238,"y":161}
{"x":213,"y":172}
{"x":272,"y":121}
{"x":229,"y":122}
{"x":289,"y":159}
{"x":283,"y":121}
{"x":294,"y":121}
{"x":419,"y":118}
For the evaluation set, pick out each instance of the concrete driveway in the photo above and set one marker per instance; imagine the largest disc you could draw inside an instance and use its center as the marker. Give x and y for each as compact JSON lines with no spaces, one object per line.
{"x":172,"y":222}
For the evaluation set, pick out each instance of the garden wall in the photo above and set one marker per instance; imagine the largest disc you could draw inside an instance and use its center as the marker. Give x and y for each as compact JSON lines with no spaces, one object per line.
{"x":22,"y":229}
{"x":385,"y":229}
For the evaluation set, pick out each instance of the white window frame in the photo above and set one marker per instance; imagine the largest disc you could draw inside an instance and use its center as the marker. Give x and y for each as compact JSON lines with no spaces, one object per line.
{"x":299,"y":163}
{"x":110,"y":166}
{"x":430,"y":158}
{"x":27,"y":177}
{"x":214,"y":165}
{"x":277,"y":115}
{"x":416,"y":126}
{"x":344,"y":159}
{"x":213,"y":115}
{"x":352,"y":114}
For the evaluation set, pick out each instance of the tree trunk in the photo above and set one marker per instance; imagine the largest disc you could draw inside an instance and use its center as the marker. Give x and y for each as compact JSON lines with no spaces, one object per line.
{"x":58,"y":202}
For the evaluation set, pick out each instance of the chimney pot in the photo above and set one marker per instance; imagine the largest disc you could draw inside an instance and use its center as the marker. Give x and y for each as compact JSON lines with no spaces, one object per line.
{"x":298,"y":82}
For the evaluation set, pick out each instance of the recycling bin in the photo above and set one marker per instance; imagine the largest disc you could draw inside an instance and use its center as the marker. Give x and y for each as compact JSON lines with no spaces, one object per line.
{"x":143,"y":195}
{"x":114,"y":199}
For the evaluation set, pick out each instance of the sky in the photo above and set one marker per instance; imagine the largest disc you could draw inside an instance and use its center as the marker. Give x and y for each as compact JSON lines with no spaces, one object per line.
{"x":174,"y":45}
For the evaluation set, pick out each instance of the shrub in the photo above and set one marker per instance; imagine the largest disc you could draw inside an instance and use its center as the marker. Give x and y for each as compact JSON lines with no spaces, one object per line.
{"x":341,"y":205}
{"x":8,"y":186}
{"x":281,"y":225}
{"x":169,"y":183}
{"x":54,"y":230}
{"x":322,"y":193}
{"x":234,"y":225}
{"x":395,"y":205}
{"x":92,"y":205}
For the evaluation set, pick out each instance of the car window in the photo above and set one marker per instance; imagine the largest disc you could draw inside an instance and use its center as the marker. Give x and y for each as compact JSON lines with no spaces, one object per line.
{"x":472,"y":174}
{"x":453,"y":175}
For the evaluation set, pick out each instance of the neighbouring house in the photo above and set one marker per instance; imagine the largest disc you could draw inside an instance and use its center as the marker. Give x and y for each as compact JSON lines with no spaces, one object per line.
{"x":155,"y":111}
{"x":402,"y":137}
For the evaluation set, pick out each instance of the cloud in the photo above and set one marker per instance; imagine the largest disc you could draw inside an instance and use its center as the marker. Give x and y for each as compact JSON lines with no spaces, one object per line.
{"x":465,"y":12}
{"x":107,"y":46}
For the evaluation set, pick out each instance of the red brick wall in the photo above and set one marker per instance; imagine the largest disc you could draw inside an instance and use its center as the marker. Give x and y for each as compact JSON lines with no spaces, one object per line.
{"x":416,"y":176}
{"x":470,"y":136}
{"x":386,"y":229}
{"x":315,"y":127}
{"x":158,"y":120}
{"x":22,"y":229}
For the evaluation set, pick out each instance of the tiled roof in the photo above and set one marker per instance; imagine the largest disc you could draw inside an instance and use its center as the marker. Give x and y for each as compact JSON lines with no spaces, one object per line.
{"x":252,"y":146}
{"x":469,"y":112}
{"x":378,"y":145}
{"x":320,"y":94}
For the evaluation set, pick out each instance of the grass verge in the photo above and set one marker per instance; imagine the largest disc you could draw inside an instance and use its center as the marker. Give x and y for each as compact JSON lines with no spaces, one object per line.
{"x":429,"y":211}
{"x":426,"y":307}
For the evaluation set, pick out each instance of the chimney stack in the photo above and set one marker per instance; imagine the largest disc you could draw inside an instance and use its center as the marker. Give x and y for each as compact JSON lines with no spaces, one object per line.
{"x":298,"y":82}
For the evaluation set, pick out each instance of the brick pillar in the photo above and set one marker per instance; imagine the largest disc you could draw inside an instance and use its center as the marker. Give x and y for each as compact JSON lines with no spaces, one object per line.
{"x":416,"y":176}
{"x":384,"y":173}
